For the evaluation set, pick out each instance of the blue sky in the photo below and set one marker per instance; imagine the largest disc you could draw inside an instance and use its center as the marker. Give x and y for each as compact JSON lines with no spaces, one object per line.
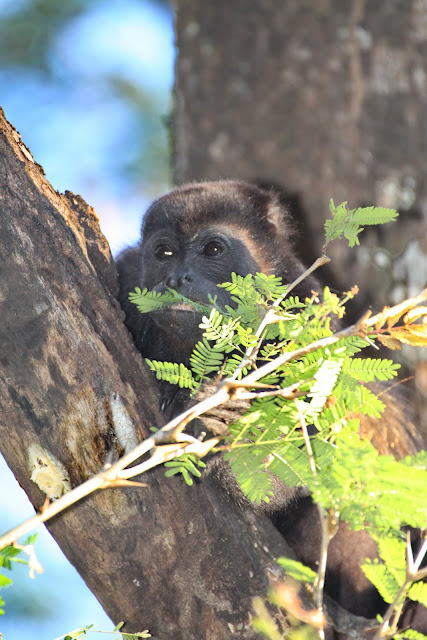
{"x":54,"y":602}
{"x":77,"y":129}
{"x":82,"y":135}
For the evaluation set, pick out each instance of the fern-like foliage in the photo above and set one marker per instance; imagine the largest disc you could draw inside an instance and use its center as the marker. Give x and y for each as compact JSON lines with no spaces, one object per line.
{"x":369,"y":369}
{"x":370,"y":490}
{"x":349,"y":221}
{"x":297,"y":570}
{"x":206,"y":359}
{"x":8,"y":557}
{"x":250,"y":473}
{"x":388,"y":572}
{"x":148,"y":301}
{"x":188,"y":465}
{"x":227,"y":334}
{"x":174,"y":373}
{"x":410,"y":634}
{"x":358,"y":399}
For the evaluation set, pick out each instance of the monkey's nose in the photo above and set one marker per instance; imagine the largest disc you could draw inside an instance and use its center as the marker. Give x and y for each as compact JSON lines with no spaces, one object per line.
{"x":176,"y":282}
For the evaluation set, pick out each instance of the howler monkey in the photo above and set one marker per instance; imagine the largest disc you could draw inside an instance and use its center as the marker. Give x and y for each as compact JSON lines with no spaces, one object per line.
{"x":192,"y":240}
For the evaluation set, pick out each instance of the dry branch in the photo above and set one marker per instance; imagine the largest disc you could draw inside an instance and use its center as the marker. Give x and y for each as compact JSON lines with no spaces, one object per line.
{"x":180,"y":561}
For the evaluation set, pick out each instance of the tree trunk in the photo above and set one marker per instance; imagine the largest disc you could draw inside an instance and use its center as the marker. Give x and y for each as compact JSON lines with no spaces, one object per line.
{"x":180,"y":561}
{"x":325,"y":100}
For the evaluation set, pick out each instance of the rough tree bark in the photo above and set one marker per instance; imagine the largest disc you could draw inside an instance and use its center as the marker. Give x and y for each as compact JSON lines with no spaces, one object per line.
{"x":180,"y":561}
{"x":325,"y":100}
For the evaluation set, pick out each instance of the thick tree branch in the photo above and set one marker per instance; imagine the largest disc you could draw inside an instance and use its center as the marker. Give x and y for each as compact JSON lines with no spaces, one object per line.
{"x":180,"y":561}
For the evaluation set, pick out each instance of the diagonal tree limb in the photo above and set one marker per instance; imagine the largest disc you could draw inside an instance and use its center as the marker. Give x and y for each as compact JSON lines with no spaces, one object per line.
{"x":183,"y":562}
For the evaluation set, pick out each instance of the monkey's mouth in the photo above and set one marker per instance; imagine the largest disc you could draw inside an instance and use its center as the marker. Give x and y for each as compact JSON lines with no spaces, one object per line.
{"x":182,"y":306}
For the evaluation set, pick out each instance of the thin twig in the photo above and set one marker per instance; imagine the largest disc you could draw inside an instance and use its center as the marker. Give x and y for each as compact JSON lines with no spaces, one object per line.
{"x":415,"y":568}
{"x":269,"y":367}
{"x":324,"y":521}
{"x":114,"y":476}
{"x":413,"y":574}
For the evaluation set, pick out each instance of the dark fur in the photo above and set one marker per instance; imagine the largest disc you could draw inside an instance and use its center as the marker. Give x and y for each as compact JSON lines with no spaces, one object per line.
{"x":259,"y":236}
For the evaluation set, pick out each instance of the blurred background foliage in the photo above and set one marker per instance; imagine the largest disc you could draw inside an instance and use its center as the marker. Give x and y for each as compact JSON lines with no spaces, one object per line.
{"x":87,"y":83}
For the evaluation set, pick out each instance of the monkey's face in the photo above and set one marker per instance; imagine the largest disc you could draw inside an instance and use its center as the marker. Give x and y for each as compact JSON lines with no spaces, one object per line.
{"x":193,"y":239}
{"x":194,"y":266}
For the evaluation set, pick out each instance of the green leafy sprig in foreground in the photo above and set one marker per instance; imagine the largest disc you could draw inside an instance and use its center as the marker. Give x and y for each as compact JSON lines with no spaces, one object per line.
{"x":345,"y":474}
{"x":349,"y":221}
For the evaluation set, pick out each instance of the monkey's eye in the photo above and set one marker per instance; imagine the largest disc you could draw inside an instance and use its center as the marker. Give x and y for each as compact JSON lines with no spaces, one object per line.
{"x":163,"y":251}
{"x":213,"y":248}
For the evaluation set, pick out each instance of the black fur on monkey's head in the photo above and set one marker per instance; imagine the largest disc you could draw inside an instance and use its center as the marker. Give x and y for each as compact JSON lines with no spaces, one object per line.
{"x":252,"y":214}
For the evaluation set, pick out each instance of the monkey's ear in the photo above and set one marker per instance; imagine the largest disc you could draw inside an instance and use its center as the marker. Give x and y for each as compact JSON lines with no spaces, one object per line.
{"x":271,"y":212}
{"x":276,"y":217}
{"x":278,"y":221}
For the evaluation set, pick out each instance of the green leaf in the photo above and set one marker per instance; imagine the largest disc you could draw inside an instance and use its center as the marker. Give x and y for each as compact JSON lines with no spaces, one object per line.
{"x":374,"y":215}
{"x":297,"y":570}
{"x":206,"y":359}
{"x":31,"y":539}
{"x":148,"y":301}
{"x":5,"y":581}
{"x":382,"y":579}
{"x":359,"y":399}
{"x":370,"y":369}
{"x":392,"y":551}
{"x":410,"y":634}
{"x":367,"y":490}
{"x":349,"y":221}
{"x":174,"y":373}
{"x":186,"y":465}
{"x":418,"y":592}
{"x":188,"y":479}
{"x":290,"y":465}
{"x":250,"y":473}
{"x":75,"y":635}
